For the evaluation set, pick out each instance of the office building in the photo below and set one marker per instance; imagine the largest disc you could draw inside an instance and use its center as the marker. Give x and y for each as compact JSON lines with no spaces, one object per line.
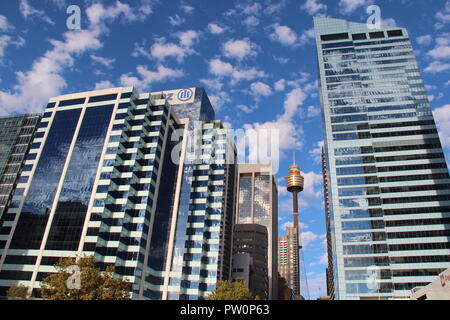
{"x":388,"y":187}
{"x":329,"y":270}
{"x":16,"y":134}
{"x":144,"y":182}
{"x":257,"y":203}
{"x":250,"y":253}
{"x":288,"y":259}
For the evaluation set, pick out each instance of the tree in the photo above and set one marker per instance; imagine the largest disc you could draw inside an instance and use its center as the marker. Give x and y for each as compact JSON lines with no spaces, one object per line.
{"x":81,"y":280}
{"x":17,"y":292}
{"x":231,"y":290}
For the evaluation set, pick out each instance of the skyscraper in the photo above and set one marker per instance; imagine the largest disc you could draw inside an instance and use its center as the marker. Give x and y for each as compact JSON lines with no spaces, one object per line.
{"x":288,"y":259}
{"x":250,"y":251}
{"x":257,"y":203}
{"x":387,"y":180}
{"x":16,"y":134}
{"x":144,"y":182}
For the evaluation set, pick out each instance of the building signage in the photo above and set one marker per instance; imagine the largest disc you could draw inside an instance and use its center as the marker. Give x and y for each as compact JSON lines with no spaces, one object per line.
{"x":179,"y":96}
{"x":444,"y":278}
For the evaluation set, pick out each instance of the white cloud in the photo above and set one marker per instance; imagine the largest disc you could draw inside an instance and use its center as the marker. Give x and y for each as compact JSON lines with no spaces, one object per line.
{"x":219,"y":100}
{"x":437,"y":66}
{"x":313,"y":7}
{"x":176,"y":20}
{"x":389,"y":22}
{"x":28,"y":12}
{"x":275,"y":7}
{"x":290,"y":134}
{"x":98,"y":13}
{"x":442,"y":118}
{"x":188,"y":38}
{"x":214,"y":28}
{"x":6,"y":41}
{"x":284,"y":35}
{"x":250,"y":9}
{"x":442,"y":49}
{"x":4,"y":24}
{"x":447,"y":83}
{"x":103,"y":61}
{"x":147,"y":77}
{"x":281,"y":60}
{"x":316,"y":153}
{"x":187,"y":8}
{"x":443,"y":16}
{"x":307,"y":238}
{"x":239,"y":49}
{"x":246,"y":109}
{"x":349,"y":6}
{"x":251,"y":21}
{"x":220,"y":68}
{"x":162,"y":50}
{"x":313,"y":111}
{"x":44,"y":79}
{"x":105,"y":84}
{"x":425,"y":40}
{"x":214,"y":84}
{"x":288,"y":37}
{"x":260,"y":89}
{"x":280,"y":85}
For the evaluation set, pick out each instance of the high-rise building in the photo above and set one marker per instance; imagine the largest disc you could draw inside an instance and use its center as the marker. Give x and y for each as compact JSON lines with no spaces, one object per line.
{"x":250,"y":251}
{"x":288,"y":259}
{"x":387,"y":180}
{"x":16,"y":134}
{"x":329,"y":270}
{"x":257,"y":203}
{"x":144,"y":182}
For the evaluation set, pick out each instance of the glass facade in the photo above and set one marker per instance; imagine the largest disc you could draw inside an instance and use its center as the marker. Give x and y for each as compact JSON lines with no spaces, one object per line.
{"x":16,"y":134}
{"x":101,"y":179}
{"x":257,"y":204}
{"x":385,"y":171}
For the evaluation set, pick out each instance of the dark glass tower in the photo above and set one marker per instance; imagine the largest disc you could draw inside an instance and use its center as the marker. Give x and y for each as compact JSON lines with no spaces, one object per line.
{"x":16,"y":134}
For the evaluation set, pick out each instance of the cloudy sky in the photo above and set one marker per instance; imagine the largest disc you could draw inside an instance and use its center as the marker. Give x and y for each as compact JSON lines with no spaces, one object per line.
{"x":255,"y":59}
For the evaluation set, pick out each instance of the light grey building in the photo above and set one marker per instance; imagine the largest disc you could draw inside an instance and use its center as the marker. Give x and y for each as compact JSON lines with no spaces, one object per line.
{"x":388,"y":185}
{"x":257,"y":203}
{"x":144,"y":182}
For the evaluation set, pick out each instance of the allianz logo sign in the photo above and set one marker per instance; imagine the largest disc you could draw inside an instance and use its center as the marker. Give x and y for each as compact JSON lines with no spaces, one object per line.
{"x":185,"y":94}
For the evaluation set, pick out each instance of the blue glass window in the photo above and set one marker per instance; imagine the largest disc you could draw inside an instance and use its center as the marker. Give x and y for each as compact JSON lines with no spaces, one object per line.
{"x":70,"y":213}
{"x":34,"y":215}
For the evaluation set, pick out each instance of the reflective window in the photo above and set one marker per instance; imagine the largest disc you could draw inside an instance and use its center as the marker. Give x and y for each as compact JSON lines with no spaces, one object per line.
{"x":35,"y":211}
{"x":77,"y":188}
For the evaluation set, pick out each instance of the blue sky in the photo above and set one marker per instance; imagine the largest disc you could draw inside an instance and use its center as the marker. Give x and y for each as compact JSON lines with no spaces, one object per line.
{"x":256,"y":60}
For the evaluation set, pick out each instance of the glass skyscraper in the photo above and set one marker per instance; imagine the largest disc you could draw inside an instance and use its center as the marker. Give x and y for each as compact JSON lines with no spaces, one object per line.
{"x":16,"y":134}
{"x":144,"y":182}
{"x":388,"y":185}
{"x":257,"y":203}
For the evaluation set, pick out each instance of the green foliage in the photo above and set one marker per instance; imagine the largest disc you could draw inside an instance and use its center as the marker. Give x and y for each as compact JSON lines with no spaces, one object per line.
{"x":94,"y":285}
{"x":231,"y":290}
{"x":17,"y":292}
